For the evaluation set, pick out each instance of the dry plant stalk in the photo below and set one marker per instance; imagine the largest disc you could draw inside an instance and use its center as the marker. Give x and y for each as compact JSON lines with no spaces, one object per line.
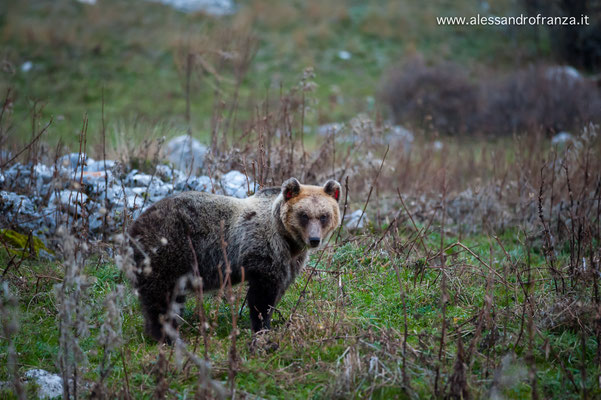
{"x":10,"y":326}
{"x":73,"y":312}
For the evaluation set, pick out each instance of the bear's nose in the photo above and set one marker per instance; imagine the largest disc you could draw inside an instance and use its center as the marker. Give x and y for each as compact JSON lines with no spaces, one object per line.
{"x":314,"y":241}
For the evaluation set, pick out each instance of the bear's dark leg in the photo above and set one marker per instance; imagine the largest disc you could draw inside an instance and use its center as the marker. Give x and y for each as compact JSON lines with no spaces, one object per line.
{"x":153,"y":310}
{"x":261,"y":300}
{"x":156,"y":314}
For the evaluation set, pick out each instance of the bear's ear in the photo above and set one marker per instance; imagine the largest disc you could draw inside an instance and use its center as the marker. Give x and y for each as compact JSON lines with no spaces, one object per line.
{"x":290,"y":189}
{"x":332,"y":188}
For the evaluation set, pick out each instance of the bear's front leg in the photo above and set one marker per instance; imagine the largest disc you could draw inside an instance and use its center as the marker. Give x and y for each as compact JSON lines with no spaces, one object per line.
{"x":262,"y":298}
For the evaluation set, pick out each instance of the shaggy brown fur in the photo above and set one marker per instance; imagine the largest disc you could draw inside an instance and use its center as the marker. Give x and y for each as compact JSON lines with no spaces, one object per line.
{"x":267,"y":235}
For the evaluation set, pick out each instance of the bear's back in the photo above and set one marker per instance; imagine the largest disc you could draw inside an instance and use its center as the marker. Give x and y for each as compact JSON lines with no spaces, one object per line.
{"x":199,"y":216}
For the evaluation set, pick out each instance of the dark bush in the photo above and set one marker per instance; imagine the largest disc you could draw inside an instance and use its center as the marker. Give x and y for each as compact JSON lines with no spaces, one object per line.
{"x":439,"y":97}
{"x":550,"y":99}
{"x":539,"y":98}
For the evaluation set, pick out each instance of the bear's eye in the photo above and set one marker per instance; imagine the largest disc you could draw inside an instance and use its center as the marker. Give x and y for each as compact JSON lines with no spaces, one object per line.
{"x":303,"y":218}
{"x":324,"y":218}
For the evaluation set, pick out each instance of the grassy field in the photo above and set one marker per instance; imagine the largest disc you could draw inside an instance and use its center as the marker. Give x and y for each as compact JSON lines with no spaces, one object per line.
{"x":347,"y":337}
{"x":135,"y":55}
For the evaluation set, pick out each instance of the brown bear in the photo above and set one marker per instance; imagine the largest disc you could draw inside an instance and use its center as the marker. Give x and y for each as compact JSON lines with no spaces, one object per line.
{"x":267,"y":235}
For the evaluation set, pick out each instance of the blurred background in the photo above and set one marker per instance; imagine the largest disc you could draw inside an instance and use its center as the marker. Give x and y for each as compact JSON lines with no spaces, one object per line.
{"x":163,"y":68}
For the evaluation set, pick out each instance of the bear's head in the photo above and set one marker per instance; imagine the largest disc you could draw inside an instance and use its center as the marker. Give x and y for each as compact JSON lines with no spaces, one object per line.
{"x":310,"y":213}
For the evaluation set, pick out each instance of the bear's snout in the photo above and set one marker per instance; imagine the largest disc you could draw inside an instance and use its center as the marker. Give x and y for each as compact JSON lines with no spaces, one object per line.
{"x":313,"y":233}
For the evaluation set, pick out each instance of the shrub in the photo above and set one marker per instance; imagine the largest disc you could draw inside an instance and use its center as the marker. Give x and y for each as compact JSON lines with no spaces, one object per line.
{"x":538,"y":98}
{"x":439,"y":97}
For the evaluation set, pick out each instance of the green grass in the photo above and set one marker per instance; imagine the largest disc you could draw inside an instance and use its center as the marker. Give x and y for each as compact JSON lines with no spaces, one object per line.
{"x":310,"y":360}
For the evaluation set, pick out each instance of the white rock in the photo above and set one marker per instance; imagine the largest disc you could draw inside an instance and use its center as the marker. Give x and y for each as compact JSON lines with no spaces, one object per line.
{"x":165,"y":172}
{"x":344,"y":55}
{"x":562,"y":139}
{"x":97,"y":166}
{"x":332,"y":128}
{"x":74,"y":160}
{"x":437,"y":145}
{"x":160,"y":189}
{"x":139,"y":179}
{"x":563,"y":73}
{"x":26,"y":66}
{"x":139,"y":191}
{"x":178,"y":179}
{"x":134,"y":202}
{"x":212,"y":7}
{"x":96,"y":182}
{"x":186,"y":153}
{"x":70,"y":199}
{"x":43,"y":172}
{"x":355,"y":221}
{"x":234,"y":183}
{"x":49,"y":385}
{"x":95,"y":221}
{"x":400,"y":136}
{"x":202,"y":184}
{"x":18,"y":175}
{"x":11,"y":202}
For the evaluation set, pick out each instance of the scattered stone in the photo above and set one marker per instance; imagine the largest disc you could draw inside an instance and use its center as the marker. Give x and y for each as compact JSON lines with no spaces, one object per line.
{"x":49,"y":385}
{"x":234,"y":183}
{"x":216,"y":8}
{"x":136,"y":179}
{"x":95,"y":221}
{"x":355,"y":221}
{"x":344,"y":55}
{"x":74,"y":160}
{"x":18,"y":176}
{"x":165,"y":172}
{"x":115,"y":194}
{"x":26,"y":66}
{"x":400,"y":136}
{"x":201,"y":184}
{"x":21,"y":211}
{"x":562,"y":139}
{"x":54,"y":199}
{"x":45,"y":255}
{"x":96,"y":183}
{"x":134,"y":201}
{"x":70,"y":199}
{"x":328,"y":129}
{"x":160,"y":189}
{"x":437,"y":145}
{"x":5,"y":155}
{"x":12,"y":203}
{"x":97,"y":166}
{"x":186,"y":153}
{"x":43,"y":173}
{"x":140,"y":191}
{"x":563,"y":73}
